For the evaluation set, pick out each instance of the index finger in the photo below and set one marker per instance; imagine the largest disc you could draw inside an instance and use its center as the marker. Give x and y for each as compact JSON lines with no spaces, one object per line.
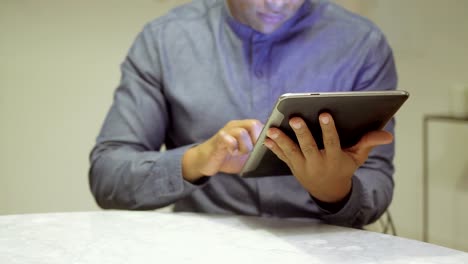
{"x":253,"y":126}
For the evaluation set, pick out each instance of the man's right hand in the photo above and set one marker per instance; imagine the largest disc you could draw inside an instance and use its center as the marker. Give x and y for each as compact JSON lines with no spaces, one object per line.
{"x":226,"y":151}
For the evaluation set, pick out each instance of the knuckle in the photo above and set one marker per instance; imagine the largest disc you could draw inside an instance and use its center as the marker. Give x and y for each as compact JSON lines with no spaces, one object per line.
{"x":228,"y":124}
{"x":234,"y":131}
{"x":231,"y":123}
{"x":241,"y":132}
{"x":221,"y":135}
{"x":301,"y":133}
{"x":254,"y":124}
{"x":293,"y":150}
{"x":330,"y":141}
{"x":308,"y":149}
{"x":283,"y":158}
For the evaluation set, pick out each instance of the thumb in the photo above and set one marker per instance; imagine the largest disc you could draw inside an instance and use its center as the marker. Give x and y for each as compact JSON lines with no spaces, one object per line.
{"x":370,"y":141}
{"x":375,"y":138}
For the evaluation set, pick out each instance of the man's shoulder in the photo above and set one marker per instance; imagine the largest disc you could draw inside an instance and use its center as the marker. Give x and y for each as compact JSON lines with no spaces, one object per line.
{"x":192,"y":13}
{"x":337,"y":16}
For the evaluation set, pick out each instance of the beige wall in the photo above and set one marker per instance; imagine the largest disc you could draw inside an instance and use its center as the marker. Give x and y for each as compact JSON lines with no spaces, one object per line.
{"x":60,"y":64}
{"x":430,"y":40}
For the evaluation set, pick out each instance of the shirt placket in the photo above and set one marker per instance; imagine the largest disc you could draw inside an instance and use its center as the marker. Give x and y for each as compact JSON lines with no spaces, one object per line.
{"x":261,"y":98}
{"x":261,"y":93}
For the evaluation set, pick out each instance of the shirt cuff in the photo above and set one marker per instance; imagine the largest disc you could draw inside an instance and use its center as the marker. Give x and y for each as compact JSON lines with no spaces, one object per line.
{"x":332,"y":208}
{"x":172,"y":179}
{"x":350,"y":209}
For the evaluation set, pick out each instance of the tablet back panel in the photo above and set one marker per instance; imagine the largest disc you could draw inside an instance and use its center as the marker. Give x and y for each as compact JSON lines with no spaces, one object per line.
{"x":354,"y":113}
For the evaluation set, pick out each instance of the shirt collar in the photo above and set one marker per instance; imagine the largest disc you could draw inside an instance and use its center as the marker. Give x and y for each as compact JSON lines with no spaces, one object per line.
{"x":294,"y":24}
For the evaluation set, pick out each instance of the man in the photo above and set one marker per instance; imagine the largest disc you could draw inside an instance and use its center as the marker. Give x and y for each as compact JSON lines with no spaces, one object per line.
{"x":203,"y":78}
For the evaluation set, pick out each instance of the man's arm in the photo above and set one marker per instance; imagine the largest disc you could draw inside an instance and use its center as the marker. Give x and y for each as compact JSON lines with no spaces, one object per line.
{"x":353,"y":186}
{"x":127,"y":170}
{"x":372,"y":183}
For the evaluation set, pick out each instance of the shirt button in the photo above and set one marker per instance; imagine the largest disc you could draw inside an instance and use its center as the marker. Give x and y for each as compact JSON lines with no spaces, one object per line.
{"x":259,"y":73}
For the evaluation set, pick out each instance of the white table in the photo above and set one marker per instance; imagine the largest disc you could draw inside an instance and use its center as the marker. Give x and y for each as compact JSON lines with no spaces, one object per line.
{"x":152,"y":237}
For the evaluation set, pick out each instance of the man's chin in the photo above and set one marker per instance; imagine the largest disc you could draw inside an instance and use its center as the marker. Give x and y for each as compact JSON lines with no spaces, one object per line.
{"x":268,"y":29}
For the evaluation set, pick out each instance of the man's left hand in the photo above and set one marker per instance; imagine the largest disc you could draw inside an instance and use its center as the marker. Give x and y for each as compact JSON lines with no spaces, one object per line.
{"x":327,"y":173}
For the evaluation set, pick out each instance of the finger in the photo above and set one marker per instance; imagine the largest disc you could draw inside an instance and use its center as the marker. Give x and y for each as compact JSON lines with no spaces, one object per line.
{"x":331,"y":140}
{"x":290,"y":149}
{"x":304,"y":136}
{"x":271,"y":145}
{"x":255,"y":130}
{"x":223,"y":147}
{"x":228,"y":142}
{"x":254,"y":127}
{"x":243,"y":139}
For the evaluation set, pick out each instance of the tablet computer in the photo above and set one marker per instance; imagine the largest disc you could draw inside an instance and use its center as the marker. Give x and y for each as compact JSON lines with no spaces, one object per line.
{"x":354,"y":113}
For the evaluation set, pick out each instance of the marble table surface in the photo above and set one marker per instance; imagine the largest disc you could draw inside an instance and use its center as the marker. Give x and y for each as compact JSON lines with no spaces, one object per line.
{"x":153,"y":237}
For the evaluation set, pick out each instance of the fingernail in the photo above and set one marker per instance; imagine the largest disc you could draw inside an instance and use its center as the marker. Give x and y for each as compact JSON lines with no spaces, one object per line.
{"x":272,"y":135}
{"x":325,"y":120}
{"x":296,"y":125}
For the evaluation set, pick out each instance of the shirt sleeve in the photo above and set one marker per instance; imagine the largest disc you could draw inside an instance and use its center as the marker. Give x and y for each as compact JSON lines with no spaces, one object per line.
{"x":127,"y":169}
{"x":372,"y":183}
